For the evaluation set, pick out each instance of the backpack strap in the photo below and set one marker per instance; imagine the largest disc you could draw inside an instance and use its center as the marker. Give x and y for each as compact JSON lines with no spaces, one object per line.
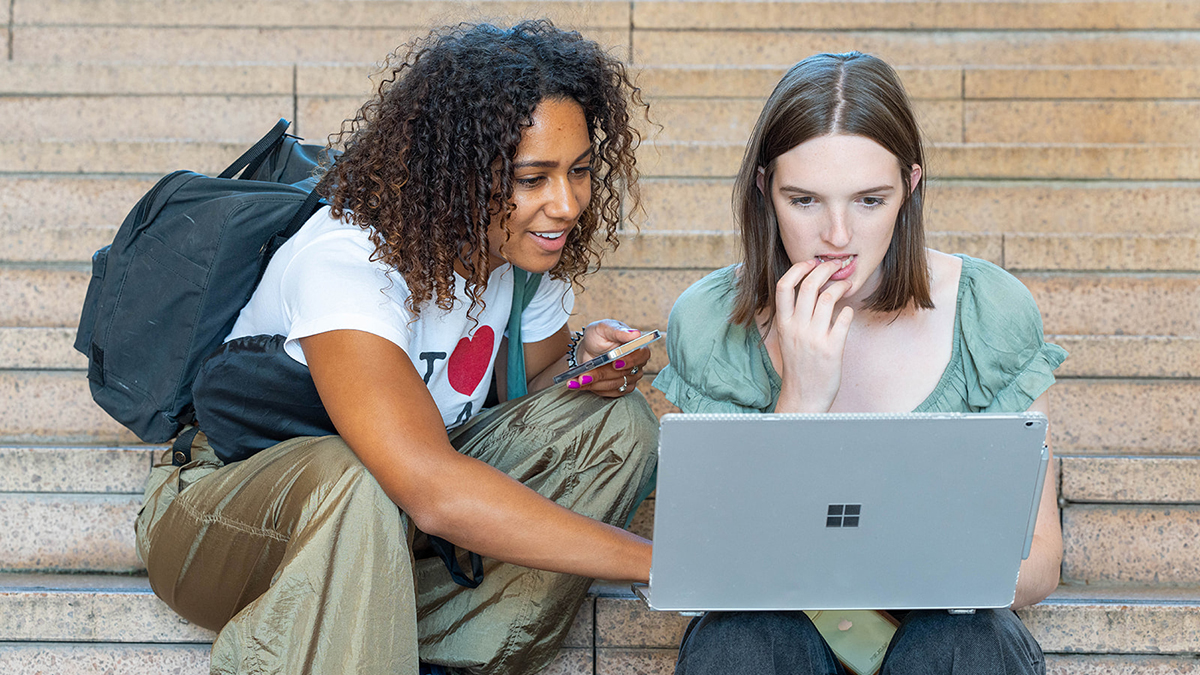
{"x":181,"y":449}
{"x":258,"y":153}
{"x":525,"y":285}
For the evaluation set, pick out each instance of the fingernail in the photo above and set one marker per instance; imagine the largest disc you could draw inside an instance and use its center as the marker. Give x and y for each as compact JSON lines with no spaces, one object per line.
{"x":631,"y":330}
{"x":619,"y":365}
{"x":572,"y":385}
{"x":587,"y":379}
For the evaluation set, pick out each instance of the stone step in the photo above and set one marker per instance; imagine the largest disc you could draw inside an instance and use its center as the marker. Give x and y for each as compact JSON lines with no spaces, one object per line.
{"x":982,"y":82}
{"x":80,"y":658}
{"x":1113,"y":544}
{"x":1127,"y":520}
{"x":77,"y":658}
{"x":1166,"y":304}
{"x":909,"y":14}
{"x":122,"y":610}
{"x":665,"y":249}
{"x":656,"y":248}
{"x":239,"y":43}
{"x":122,"y":614}
{"x":1078,"y":303}
{"x":1092,"y":416}
{"x":46,"y":407}
{"x":145,"y":79}
{"x":728,"y":120}
{"x":1138,"y":356}
{"x":69,"y":532}
{"x":65,"y":217}
{"x":72,"y":509}
{"x":244,"y":118}
{"x":1099,"y":417}
{"x":1003,"y":161}
{"x":912,"y":14}
{"x":654,"y":47}
{"x":1095,"y":356}
{"x":1072,"y":620}
{"x":575,"y":14}
{"x":39,"y":349}
{"x":76,"y":470}
{"x":1124,"y":162}
{"x":982,"y":206}
{"x":1152,"y":545}
{"x":238,"y":119}
{"x":1130,"y":480}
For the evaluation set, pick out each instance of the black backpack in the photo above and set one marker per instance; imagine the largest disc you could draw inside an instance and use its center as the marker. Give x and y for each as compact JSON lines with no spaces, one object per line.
{"x":167,"y":291}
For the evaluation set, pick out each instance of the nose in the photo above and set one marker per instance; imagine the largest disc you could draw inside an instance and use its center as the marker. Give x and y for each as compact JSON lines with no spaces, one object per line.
{"x":562,"y":202}
{"x":837,"y":230}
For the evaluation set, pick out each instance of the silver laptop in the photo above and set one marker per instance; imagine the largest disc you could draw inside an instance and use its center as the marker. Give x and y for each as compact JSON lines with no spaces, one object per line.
{"x":844,"y":511}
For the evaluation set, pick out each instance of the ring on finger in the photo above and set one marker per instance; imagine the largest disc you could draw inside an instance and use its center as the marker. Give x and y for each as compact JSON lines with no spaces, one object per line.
{"x":634,"y":370}
{"x":624,"y":384}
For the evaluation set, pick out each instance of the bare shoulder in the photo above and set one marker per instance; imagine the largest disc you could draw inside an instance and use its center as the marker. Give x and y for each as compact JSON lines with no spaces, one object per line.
{"x":945,"y":272}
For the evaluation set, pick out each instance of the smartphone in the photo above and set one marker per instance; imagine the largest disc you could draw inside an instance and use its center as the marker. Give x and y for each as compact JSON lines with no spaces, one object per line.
{"x":611,"y":355}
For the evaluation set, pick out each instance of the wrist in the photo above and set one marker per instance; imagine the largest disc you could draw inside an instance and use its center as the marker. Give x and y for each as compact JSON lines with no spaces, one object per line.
{"x":791,"y":401}
{"x":574,"y":349}
{"x":582,"y":353}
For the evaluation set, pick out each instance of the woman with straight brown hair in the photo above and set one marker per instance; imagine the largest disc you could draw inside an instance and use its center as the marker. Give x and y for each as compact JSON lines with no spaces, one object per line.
{"x":839,"y":307}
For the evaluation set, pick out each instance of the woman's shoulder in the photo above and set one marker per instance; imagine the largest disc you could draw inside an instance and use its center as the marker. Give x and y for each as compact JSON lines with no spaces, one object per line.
{"x":988,"y":283}
{"x":1002,"y":338}
{"x":708,"y":301}
{"x":714,"y":366}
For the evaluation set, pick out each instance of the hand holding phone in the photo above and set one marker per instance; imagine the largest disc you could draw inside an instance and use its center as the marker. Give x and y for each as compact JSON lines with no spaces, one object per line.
{"x":610,"y":356}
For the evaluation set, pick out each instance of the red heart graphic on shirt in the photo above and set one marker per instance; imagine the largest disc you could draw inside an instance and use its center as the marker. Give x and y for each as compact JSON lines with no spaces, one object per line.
{"x":469,"y":362}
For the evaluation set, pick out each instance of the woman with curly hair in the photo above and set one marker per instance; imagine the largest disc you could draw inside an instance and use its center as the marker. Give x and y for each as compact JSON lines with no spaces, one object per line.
{"x":486,"y":153}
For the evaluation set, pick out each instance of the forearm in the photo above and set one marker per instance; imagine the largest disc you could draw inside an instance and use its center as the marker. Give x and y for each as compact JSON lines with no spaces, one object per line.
{"x":486,"y":511}
{"x":1039,"y":573}
{"x":545,"y":378}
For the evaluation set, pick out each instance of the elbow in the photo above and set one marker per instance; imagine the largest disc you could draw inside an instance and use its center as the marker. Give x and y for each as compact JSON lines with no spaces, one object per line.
{"x":436,"y":513}
{"x":434,"y":521}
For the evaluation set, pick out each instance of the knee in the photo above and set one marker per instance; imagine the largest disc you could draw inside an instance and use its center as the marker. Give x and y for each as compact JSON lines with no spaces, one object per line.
{"x":754,"y":642}
{"x":629,"y":428}
{"x":328,"y":471}
{"x":987,"y":639}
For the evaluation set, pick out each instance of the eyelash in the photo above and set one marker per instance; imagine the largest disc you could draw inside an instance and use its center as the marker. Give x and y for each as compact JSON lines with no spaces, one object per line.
{"x":534,"y":181}
{"x":878,"y":201}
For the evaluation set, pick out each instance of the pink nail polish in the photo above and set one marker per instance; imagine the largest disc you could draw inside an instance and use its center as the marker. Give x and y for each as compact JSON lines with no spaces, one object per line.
{"x":619,"y":365}
{"x":587,"y":379}
{"x":572,"y":385}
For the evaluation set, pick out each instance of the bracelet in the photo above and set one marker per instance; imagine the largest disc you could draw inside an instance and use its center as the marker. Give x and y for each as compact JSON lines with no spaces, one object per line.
{"x":576,"y":338}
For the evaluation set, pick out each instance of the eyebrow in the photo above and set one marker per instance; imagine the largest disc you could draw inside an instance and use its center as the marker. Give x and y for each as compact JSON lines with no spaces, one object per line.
{"x":876,"y":189}
{"x":549,"y":164}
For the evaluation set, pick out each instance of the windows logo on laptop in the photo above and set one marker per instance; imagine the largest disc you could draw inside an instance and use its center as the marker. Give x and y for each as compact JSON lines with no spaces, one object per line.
{"x":843,"y":515}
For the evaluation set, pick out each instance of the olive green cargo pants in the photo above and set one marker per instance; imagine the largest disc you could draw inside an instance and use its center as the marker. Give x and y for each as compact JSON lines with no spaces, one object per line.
{"x":304,"y":565}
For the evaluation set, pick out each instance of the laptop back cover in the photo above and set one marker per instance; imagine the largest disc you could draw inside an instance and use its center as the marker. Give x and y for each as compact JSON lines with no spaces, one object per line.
{"x":844,"y":511}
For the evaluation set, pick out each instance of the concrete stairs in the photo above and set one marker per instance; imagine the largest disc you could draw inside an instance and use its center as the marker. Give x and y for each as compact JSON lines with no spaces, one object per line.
{"x":1062,"y":146}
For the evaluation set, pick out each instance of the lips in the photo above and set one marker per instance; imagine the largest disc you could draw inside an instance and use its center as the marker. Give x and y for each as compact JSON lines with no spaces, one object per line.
{"x":847,"y":265}
{"x":550,"y":241}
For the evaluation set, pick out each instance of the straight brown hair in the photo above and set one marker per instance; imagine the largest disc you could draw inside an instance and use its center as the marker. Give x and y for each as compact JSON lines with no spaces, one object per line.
{"x":854,"y":94}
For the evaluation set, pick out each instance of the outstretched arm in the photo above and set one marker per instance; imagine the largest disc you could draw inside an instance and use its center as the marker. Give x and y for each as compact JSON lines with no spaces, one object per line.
{"x":1040,"y":571}
{"x":384,"y":412}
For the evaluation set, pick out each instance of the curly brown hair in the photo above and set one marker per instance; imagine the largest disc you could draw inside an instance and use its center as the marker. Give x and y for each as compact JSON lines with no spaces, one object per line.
{"x":427,"y":162}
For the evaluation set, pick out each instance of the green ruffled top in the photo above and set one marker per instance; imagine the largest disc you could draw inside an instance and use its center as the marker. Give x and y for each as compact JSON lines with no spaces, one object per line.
{"x":999,"y":363}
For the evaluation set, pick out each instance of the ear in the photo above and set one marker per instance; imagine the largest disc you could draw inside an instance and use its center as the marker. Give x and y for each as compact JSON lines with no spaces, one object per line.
{"x":759,"y":178}
{"x":914,"y":178}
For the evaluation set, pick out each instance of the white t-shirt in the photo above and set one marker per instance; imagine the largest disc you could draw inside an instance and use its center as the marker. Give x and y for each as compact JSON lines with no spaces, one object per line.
{"x":323,"y":279}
